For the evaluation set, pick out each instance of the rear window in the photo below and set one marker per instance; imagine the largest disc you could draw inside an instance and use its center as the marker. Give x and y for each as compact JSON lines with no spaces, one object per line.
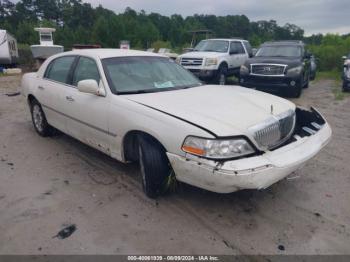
{"x":60,"y":68}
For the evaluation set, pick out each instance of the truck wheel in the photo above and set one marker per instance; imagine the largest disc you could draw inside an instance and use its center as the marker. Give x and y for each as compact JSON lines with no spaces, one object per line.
{"x":307,"y":83}
{"x":295,"y":91}
{"x":154,"y":166}
{"x":221,"y":75}
{"x":39,"y":120}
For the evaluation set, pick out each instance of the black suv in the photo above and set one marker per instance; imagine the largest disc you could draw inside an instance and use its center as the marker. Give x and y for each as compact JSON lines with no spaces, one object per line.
{"x":278,"y":66}
{"x":346,"y":73}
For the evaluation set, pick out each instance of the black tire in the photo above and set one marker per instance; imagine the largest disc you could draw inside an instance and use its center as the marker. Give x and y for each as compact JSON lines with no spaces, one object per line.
{"x":313,"y":77}
{"x":40,"y":123}
{"x":295,"y":91}
{"x":221,"y":75}
{"x":307,"y":82}
{"x":154,"y":167}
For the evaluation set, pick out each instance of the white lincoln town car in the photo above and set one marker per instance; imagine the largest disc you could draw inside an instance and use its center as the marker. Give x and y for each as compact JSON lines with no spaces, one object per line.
{"x":143,"y":107}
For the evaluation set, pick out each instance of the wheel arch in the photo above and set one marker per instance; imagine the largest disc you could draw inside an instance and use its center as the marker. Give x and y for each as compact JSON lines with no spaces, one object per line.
{"x":30,"y":99}
{"x":223,"y":63}
{"x":130,"y":144}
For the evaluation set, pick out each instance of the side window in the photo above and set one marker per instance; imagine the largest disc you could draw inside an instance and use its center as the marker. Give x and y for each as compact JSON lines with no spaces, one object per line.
{"x":236,"y":48}
{"x":248,"y":47}
{"x":59,"y":69}
{"x":233,"y":48}
{"x":86,"y":69}
{"x":240,"y":48}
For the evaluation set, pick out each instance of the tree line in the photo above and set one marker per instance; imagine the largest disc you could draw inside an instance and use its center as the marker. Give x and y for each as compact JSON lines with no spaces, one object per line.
{"x":78,"y":22}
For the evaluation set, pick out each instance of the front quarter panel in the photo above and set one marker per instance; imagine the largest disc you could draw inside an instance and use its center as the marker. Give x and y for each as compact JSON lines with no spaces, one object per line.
{"x":126,"y":116}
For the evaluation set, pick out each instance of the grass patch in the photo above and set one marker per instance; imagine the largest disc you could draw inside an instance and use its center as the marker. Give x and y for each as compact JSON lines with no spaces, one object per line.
{"x":332,"y":75}
{"x":338,"y":93}
{"x":2,"y":74}
{"x":337,"y":85}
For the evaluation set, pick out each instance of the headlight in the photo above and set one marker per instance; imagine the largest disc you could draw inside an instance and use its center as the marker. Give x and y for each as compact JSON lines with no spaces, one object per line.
{"x":217,"y":148}
{"x":211,"y":61}
{"x":244,"y":70}
{"x":295,"y":70}
{"x":178,"y":60}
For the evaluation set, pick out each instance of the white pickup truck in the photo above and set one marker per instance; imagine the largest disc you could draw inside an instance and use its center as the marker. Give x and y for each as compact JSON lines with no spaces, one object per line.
{"x":213,"y":60}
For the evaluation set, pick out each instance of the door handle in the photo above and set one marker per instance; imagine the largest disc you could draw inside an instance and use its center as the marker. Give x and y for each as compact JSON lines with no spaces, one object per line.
{"x":41,"y":87}
{"x":69,"y":98}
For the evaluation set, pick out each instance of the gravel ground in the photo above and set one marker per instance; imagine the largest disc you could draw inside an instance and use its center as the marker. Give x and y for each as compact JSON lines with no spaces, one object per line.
{"x":48,"y":183}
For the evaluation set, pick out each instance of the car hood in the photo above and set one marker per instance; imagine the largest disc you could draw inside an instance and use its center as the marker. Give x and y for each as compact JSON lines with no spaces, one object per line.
{"x":202,"y":54}
{"x":290,"y":61}
{"x":223,"y":110}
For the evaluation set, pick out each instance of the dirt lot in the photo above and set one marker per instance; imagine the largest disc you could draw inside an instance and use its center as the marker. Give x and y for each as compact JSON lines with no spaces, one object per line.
{"x":46,"y":183}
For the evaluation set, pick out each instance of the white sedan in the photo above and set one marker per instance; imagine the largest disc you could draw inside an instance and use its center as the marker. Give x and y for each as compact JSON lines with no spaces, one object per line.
{"x":143,"y":107}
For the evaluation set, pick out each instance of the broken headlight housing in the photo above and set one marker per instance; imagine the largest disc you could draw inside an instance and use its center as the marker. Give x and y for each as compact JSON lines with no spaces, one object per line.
{"x":217,"y":148}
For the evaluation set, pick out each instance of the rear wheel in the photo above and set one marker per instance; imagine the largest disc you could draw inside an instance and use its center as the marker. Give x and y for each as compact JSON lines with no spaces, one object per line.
{"x":307,"y":82}
{"x":154,"y":166}
{"x":39,"y":119}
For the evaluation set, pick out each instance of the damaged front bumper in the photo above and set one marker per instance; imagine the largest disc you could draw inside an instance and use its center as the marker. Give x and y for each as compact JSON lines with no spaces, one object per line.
{"x":311,"y":135}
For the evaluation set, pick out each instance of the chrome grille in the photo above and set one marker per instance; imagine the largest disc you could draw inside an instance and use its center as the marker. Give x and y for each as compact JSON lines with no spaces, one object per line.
{"x":268,"y":69}
{"x":275,"y":130}
{"x":191,"y":61}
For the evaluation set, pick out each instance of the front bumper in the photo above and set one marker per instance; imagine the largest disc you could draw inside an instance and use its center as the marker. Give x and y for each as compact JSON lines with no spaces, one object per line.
{"x":204,"y":74}
{"x":249,"y":173}
{"x":269,"y":83}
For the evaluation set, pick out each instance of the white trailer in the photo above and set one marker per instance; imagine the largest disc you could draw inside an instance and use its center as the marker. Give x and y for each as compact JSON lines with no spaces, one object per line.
{"x":8,"y":49}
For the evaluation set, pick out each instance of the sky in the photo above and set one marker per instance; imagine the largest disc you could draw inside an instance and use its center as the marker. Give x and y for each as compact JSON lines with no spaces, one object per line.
{"x":314,"y":16}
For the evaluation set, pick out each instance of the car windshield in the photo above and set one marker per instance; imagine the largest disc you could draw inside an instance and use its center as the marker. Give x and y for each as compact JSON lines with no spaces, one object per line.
{"x":146,"y":74}
{"x":212,"y":46}
{"x":279,"y":50}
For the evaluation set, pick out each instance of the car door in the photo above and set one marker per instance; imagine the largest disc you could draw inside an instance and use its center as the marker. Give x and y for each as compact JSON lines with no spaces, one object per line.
{"x":242,"y":55}
{"x":51,"y":90}
{"x":237,"y":55}
{"x":88,"y":113}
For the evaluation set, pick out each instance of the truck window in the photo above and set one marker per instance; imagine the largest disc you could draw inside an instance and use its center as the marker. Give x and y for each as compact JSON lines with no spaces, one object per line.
{"x":248,"y":47}
{"x":237,"y":48}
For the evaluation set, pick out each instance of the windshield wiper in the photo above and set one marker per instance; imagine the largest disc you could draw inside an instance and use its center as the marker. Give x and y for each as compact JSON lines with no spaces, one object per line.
{"x":138,"y":92}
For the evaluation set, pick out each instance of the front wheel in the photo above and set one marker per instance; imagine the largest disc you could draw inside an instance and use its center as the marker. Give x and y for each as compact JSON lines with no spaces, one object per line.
{"x":221,"y":75}
{"x":154,"y":166}
{"x":40,"y":123}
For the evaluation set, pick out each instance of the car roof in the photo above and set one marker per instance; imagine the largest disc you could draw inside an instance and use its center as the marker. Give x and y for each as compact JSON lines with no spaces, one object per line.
{"x":227,"y":39}
{"x":287,"y":42}
{"x":108,"y":53}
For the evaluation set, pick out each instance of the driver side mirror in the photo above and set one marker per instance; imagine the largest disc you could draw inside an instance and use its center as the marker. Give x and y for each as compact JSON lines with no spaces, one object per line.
{"x":90,"y":86}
